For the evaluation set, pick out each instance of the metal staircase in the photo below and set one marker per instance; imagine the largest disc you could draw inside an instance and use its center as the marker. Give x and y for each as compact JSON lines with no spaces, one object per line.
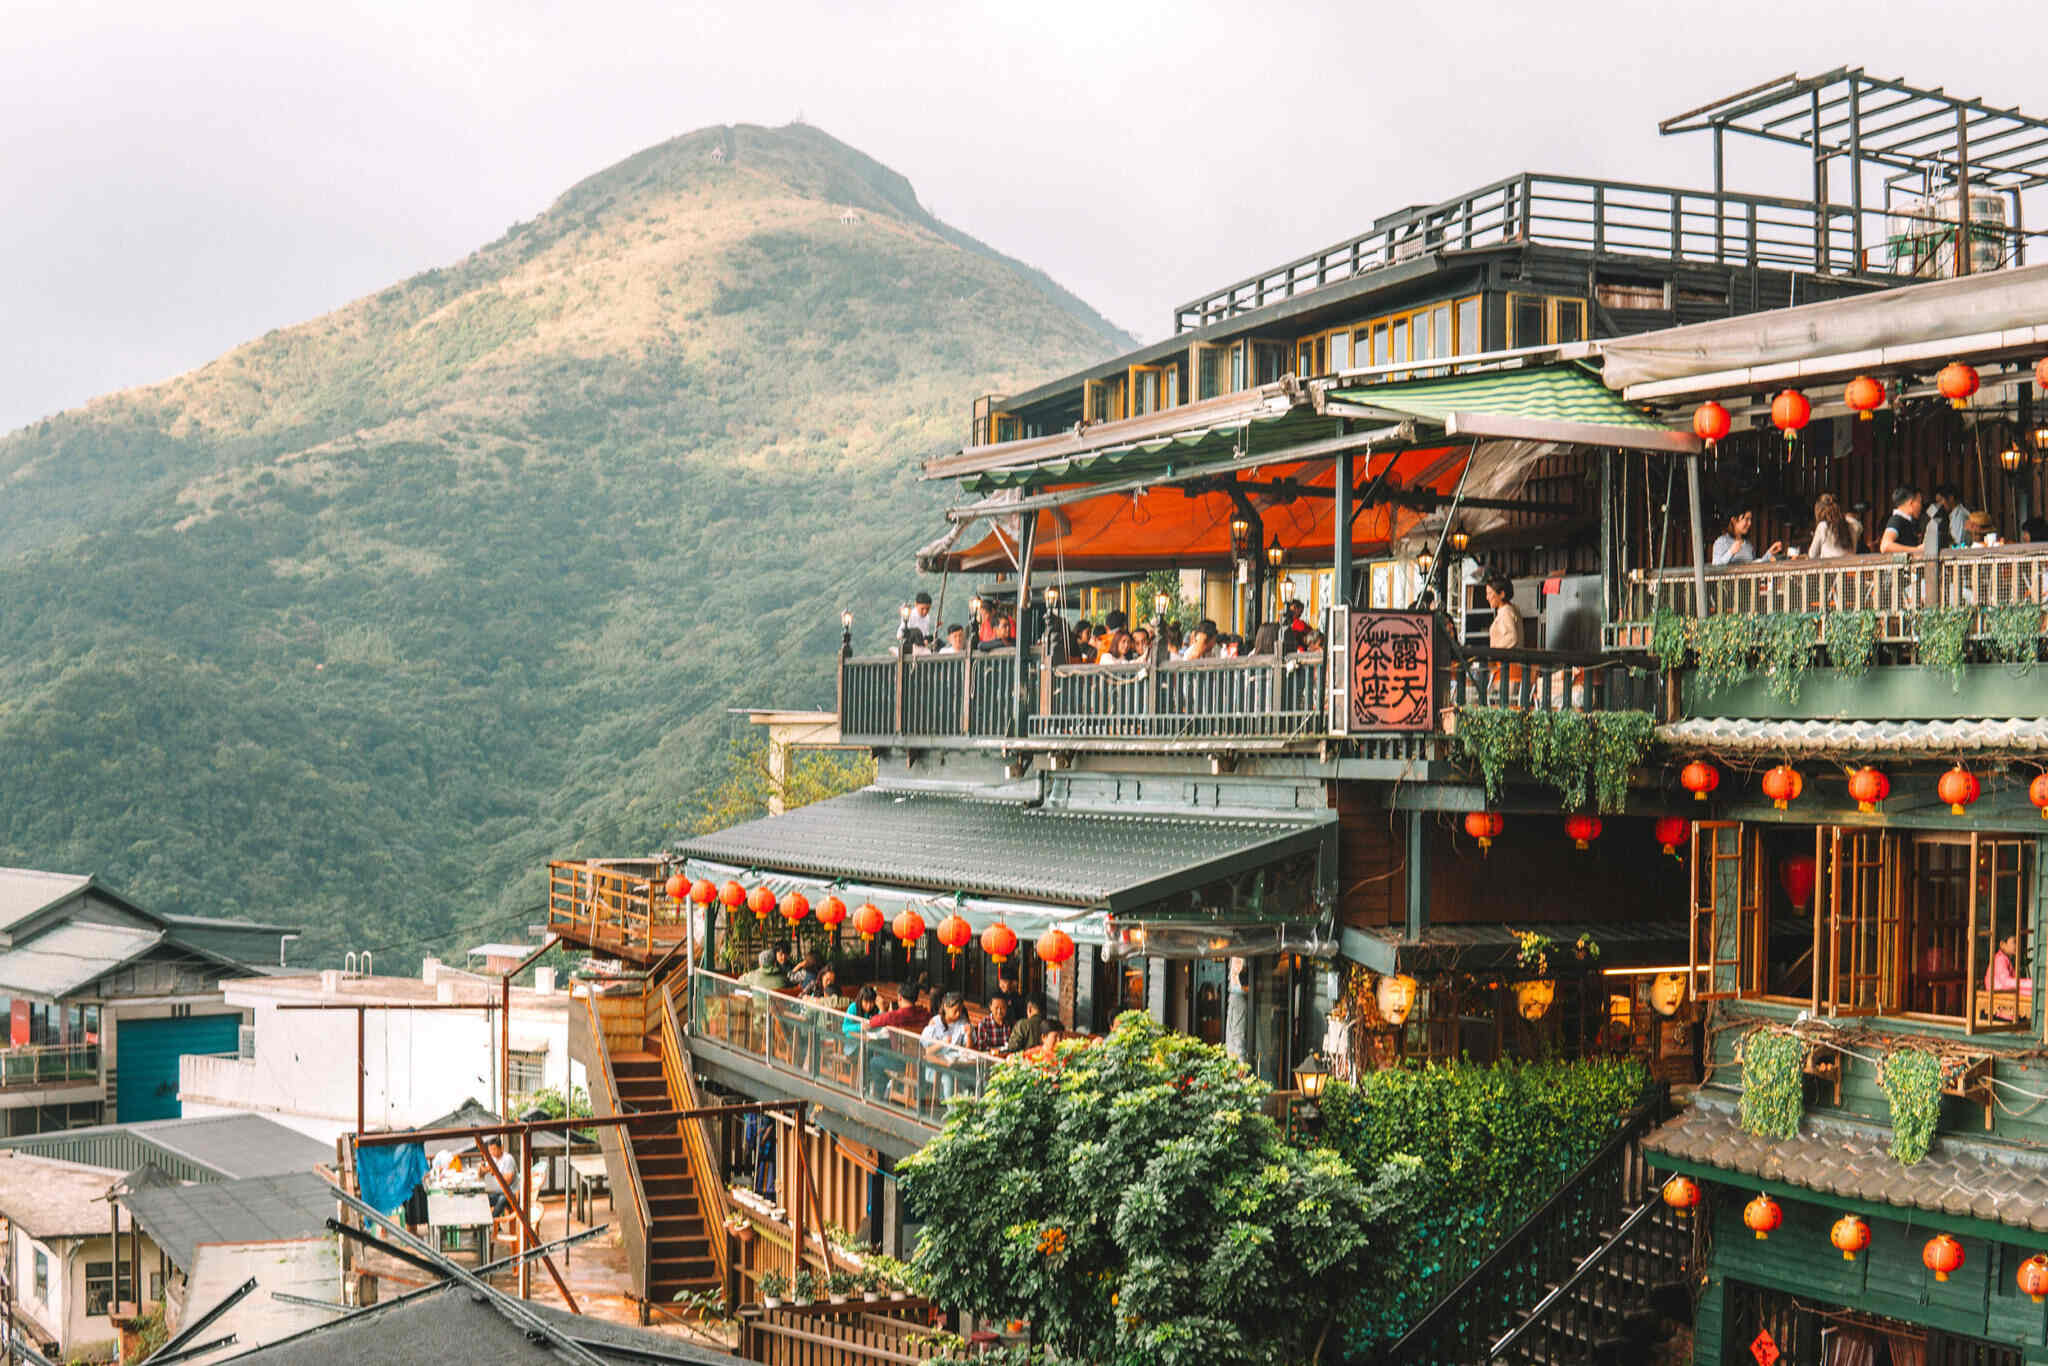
{"x":1587,"y":1278}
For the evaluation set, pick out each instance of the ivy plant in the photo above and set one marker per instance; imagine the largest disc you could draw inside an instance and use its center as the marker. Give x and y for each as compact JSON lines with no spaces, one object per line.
{"x":1670,"y":636}
{"x":1773,"y":1084}
{"x":1727,"y":640}
{"x":1620,"y":740}
{"x":1785,"y":642}
{"x":1852,"y":640}
{"x":1944,"y":634}
{"x":1493,"y":738}
{"x":1911,"y":1078}
{"x":1561,"y":753}
{"x":2014,"y":633}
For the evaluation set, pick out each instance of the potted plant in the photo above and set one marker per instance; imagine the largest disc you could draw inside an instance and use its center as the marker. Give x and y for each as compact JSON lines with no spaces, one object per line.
{"x":838,"y":1285}
{"x":740,"y":1227}
{"x":774,"y":1286}
{"x":804,"y":1289}
{"x":872,"y":1285}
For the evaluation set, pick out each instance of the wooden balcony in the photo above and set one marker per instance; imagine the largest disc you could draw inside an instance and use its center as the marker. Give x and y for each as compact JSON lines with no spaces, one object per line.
{"x":615,"y":907}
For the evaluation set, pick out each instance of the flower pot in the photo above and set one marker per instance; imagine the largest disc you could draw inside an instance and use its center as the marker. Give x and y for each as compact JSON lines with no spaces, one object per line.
{"x":770,"y":1302}
{"x":837,"y":1299}
{"x":898,"y":1295}
{"x":871,"y":1295}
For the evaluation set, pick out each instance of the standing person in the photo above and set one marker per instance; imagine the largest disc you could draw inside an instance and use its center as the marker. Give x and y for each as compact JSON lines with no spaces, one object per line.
{"x":1955,"y":518}
{"x":921,"y":615}
{"x":956,"y":640}
{"x":1835,"y":532}
{"x":1902,"y":529}
{"x":1733,"y":545}
{"x":1506,"y":631}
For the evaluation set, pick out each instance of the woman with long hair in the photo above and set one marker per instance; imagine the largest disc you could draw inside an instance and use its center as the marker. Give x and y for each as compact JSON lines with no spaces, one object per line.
{"x":1733,"y":546}
{"x":1835,"y":532}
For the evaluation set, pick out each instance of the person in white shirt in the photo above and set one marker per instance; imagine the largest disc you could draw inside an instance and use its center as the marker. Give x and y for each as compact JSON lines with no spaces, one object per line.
{"x":508,"y":1167}
{"x":1835,"y":532}
{"x":1955,"y":518}
{"x":920,"y":618}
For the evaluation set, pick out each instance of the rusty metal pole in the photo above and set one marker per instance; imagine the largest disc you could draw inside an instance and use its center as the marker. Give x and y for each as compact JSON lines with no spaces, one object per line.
{"x":505,"y":1047}
{"x":526,"y":1202}
{"x":361,"y":1067}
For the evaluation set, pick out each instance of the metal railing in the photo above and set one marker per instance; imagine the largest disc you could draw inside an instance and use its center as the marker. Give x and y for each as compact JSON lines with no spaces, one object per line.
{"x":705,"y":1169}
{"x":1894,"y":587}
{"x":970,"y":695}
{"x":1551,"y":680}
{"x":1266,"y":697}
{"x":1606,"y":217}
{"x":636,"y":1220}
{"x":57,"y":1064}
{"x":889,"y":1069}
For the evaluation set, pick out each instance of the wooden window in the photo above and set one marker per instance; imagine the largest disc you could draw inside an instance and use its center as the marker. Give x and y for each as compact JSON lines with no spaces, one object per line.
{"x":1399,"y":339}
{"x":1862,"y":950}
{"x":1467,"y":340}
{"x":1147,"y":390}
{"x":1219,"y":369}
{"x":1526,"y":316}
{"x":101,"y":1291}
{"x":2001,"y":980}
{"x":1269,"y":361}
{"x":1569,"y":323}
{"x":1727,"y":932}
{"x":1440,"y":332}
{"x":1340,"y":352}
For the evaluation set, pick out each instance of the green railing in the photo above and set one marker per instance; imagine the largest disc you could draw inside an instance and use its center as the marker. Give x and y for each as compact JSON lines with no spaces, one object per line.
{"x":50,"y":1065}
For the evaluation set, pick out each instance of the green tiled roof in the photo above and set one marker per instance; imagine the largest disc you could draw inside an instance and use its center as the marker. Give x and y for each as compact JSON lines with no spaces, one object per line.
{"x":948,"y":844}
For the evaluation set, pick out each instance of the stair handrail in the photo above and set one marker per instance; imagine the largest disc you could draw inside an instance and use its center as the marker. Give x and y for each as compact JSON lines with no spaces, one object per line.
{"x":604,"y":1088}
{"x":1434,"y":1324}
{"x":1587,"y":1266}
{"x":712,"y":1198}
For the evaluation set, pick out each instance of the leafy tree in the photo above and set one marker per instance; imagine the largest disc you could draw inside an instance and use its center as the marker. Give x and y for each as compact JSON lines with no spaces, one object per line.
{"x":1133,"y":1200}
{"x":740,"y":791}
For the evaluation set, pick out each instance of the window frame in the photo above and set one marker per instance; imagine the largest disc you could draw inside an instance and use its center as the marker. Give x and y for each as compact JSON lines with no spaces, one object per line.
{"x":536,"y":1060}
{"x":39,"y":1277}
{"x":100,"y":1279}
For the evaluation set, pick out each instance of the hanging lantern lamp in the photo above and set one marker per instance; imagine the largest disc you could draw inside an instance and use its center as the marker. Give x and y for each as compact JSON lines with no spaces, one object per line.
{"x":1942,"y":1255}
{"x":1783,"y":786}
{"x":1682,"y":1194}
{"x":761,"y":902}
{"x":2033,"y":1278}
{"x":1484,"y":826}
{"x":703,"y":891}
{"x":1699,"y":778}
{"x":831,"y":911}
{"x":956,"y":934}
{"x":1958,"y":787}
{"x":2041,"y":375}
{"x":795,"y":907}
{"x":1789,"y":412}
{"x":868,"y":921}
{"x":1582,"y":830}
{"x":1710,"y":421}
{"x":2037,"y":793}
{"x":1796,"y":875}
{"x":732,"y":896}
{"x":1671,"y":832}
{"x":1850,"y":1236}
{"x":677,"y":887}
{"x":1869,"y":786}
{"x":1761,"y":1215}
{"x":999,"y":941}
{"x":908,"y":927}
{"x":1957,"y":382}
{"x":1055,"y":947}
{"x":1865,"y":395}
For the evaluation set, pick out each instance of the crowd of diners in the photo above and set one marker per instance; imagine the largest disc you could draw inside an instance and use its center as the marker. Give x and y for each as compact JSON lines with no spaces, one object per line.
{"x":1917,"y":523}
{"x":1012,"y":1024}
{"x":1114,"y":639}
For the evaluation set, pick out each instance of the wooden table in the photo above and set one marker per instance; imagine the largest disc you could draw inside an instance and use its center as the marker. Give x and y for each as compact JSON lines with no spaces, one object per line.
{"x":588,"y":1172}
{"x":460,"y":1212}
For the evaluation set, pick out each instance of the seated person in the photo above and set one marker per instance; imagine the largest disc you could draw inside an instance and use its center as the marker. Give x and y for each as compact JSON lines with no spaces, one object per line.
{"x":1312,"y":639}
{"x":824,"y":989}
{"x":1835,"y":532}
{"x":956,"y":640}
{"x":508,"y":1167}
{"x":912,"y":643}
{"x":1084,"y":642}
{"x":991,"y":1033}
{"x":768,"y":974}
{"x":1141,"y":643}
{"x":806,"y":972}
{"x":1733,"y":545}
{"x":447,"y":1165}
{"x":946,"y":1028}
{"x":1201,"y":641}
{"x":1030,"y":1031}
{"x":2034,"y":531}
{"x":2002,"y":977}
{"x":1978,"y":529}
{"x":914,"y":1013}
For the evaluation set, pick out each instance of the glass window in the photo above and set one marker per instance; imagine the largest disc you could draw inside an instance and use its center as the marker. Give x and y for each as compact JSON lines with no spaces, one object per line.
{"x":100,"y":1291}
{"x":42,"y":1276}
{"x":1571,"y":320}
{"x":1240,"y":368}
{"x":1340,"y":351}
{"x":529,"y":1072}
{"x":1381,"y":353}
{"x":1528,"y":313}
{"x":1467,"y":341}
{"x":1400,"y":342}
{"x":1269,"y":361}
{"x":1440,"y":331}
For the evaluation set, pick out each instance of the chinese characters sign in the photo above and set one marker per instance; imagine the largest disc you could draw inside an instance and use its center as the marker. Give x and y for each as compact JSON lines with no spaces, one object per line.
{"x":1392,"y":671}
{"x":1764,"y":1348}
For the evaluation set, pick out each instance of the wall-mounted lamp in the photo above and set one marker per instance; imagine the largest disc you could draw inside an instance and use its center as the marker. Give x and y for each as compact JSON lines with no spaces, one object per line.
{"x":1160,"y":602}
{"x":1275,"y":556}
{"x":1287,"y":589}
{"x":1240,"y":534}
{"x":1052,"y":596}
{"x":2040,"y":437}
{"x":1459,"y":540}
{"x":2013,"y":458}
{"x":846,"y":621}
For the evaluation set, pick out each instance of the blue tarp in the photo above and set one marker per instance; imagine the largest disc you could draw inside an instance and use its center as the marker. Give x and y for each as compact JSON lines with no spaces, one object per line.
{"x":387,"y":1176}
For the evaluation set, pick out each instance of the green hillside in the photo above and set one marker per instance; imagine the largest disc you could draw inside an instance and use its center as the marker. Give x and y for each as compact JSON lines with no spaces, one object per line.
{"x":358,"y":624}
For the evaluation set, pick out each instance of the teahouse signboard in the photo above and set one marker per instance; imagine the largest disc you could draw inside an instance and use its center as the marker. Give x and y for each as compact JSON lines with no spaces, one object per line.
{"x":1383,"y":676}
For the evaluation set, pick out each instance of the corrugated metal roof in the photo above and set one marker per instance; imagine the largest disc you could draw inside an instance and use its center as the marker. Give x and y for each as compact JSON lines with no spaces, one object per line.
{"x":24,"y":891}
{"x":947,"y":844}
{"x":61,"y":960}
{"x":1857,"y":737}
{"x":207,"y":1148}
{"x":253,"y":1209}
{"x":1852,"y":1161}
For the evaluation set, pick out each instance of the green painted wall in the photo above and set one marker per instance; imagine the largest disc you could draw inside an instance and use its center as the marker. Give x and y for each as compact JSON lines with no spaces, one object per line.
{"x":1901,"y":692}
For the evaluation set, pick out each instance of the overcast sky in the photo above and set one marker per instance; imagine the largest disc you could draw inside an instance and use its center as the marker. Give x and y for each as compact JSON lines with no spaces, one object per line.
{"x":183,"y":175}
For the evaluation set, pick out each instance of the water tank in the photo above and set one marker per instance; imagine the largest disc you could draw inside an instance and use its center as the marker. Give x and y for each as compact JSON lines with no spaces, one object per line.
{"x":1922,"y":234}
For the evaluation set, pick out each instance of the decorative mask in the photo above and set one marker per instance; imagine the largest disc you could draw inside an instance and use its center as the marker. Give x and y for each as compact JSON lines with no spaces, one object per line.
{"x":1667,"y":993}
{"x":1395,"y":995}
{"x":1533,"y":998}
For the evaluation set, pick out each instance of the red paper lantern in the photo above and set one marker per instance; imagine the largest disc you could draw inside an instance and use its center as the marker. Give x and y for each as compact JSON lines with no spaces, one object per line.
{"x":1682,"y":1193}
{"x":1958,"y":787}
{"x":1671,"y":832}
{"x":955,"y":933}
{"x":732,"y":896}
{"x":868,"y":920}
{"x":704,"y":891}
{"x":1699,"y":778}
{"x":1583,"y":830}
{"x":2037,"y":793}
{"x":908,"y":926}
{"x":1796,"y":875}
{"x":1483,"y":826}
{"x":2033,"y":1277}
{"x":1942,"y":1255}
{"x":795,"y":907}
{"x":677,"y":887}
{"x":999,"y":941}
{"x":2041,"y":375}
{"x":1783,"y":785}
{"x":1865,"y":395}
{"x":1957,"y":382}
{"x":1869,"y":787}
{"x":1761,"y":1215}
{"x":830,"y":912}
{"x":1790,"y":411}
{"x":1710,"y":422}
{"x":1850,"y":1236}
{"x":1055,"y":948}
{"x":761,"y":902}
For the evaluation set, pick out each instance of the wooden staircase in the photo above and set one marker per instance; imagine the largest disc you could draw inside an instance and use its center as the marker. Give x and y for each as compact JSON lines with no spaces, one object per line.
{"x":681,"y":1231}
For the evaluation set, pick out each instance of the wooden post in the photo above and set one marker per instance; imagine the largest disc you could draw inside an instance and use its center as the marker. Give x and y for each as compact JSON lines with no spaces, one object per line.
{"x":795,"y":1178}
{"x":1340,"y":531}
{"x":505,"y":1045}
{"x":1027,"y":543}
{"x":1699,"y":532}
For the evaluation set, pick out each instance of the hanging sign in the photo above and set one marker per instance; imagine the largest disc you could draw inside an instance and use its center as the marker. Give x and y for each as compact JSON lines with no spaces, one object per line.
{"x":1764,"y":1348}
{"x":1383,"y":676}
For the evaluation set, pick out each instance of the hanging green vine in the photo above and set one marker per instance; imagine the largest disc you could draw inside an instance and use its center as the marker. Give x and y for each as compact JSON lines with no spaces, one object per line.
{"x":1561,"y":753}
{"x":1852,"y":641}
{"x":1944,"y":634}
{"x":1620,"y":740}
{"x":2014,"y":633}
{"x":1670,"y":635}
{"x":1493,"y":738}
{"x":1785,"y":642}
{"x":1727,"y":639}
{"x":1773,"y":1086}
{"x":1911,"y":1079}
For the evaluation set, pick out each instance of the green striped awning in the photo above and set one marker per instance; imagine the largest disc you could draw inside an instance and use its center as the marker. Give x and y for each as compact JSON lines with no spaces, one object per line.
{"x":1553,"y":402}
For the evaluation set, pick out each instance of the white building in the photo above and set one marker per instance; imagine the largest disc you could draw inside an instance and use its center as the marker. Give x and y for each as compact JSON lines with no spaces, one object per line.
{"x":299,"y":1067}
{"x":60,"y":1255}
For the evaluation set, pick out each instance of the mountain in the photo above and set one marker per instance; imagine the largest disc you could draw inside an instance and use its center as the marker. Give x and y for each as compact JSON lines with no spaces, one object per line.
{"x":360,"y":623}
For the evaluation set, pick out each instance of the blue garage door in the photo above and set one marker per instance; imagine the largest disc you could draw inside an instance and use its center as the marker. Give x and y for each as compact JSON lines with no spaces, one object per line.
{"x":146,"y":1054}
